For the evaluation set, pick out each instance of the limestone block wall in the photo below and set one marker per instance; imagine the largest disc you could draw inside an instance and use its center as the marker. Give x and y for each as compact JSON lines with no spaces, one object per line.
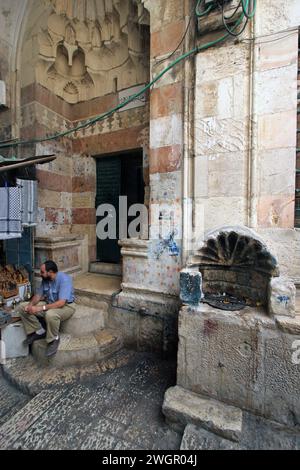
{"x":245,"y":131}
{"x":246,"y":359}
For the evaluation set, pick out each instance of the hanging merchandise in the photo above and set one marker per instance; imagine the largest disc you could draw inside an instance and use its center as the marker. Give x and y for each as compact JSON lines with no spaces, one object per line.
{"x":29,"y":199}
{"x":10,"y":213}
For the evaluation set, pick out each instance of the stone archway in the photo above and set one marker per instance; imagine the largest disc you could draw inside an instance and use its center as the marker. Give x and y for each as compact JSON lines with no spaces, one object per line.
{"x":76,"y":59}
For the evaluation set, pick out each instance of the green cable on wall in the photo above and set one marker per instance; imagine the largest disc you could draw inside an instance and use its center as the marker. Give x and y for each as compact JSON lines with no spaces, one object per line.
{"x":205,"y":12}
{"x":101,"y":117}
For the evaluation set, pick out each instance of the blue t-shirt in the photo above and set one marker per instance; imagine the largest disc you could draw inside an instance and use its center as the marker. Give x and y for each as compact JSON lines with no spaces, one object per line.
{"x":61,"y":288}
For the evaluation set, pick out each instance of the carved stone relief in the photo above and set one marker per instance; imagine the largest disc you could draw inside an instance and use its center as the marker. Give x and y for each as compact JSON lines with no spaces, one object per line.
{"x":93,"y":47}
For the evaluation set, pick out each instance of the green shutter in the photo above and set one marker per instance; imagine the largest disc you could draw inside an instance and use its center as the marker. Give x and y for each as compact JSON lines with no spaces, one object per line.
{"x":108,"y":192}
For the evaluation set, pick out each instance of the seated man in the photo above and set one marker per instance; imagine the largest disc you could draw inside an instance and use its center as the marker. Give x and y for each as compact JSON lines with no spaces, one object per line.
{"x":53,"y":302}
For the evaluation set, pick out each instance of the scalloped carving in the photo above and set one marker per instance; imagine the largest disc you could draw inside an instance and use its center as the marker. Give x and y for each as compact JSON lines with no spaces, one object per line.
{"x":236,"y":248}
{"x":235,"y":261}
{"x":71,"y":89}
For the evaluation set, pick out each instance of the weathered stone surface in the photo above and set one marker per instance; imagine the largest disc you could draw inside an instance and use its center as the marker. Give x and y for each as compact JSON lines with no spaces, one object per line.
{"x":196,"y":438}
{"x":182,"y":407}
{"x":277,"y":130}
{"x":278,"y":16}
{"x":86,"y":349}
{"x":166,"y":131}
{"x":277,"y":172}
{"x":165,"y":159}
{"x":289,"y":325}
{"x":85,"y":320}
{"x":269,"y":82}
{"x":240,"y":358}
{"x":162,"y":41}
{"x":166,"y":100}
{"x":257,"y":434}
{"x":119,"y":409}
{"x":11,"y":400}
{"x":279,"y":53}
{"x":190,"y":286}
{"x":166,"y":189}
{"x":31,"y":378}
{"x":285,"y":244}
{"x":276,"y":211}
{"x":282,"y":296}
{"x":210,"y":134}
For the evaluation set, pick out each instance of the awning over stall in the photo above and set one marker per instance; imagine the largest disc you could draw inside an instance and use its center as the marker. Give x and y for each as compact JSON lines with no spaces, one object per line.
{"x":7,"y":164}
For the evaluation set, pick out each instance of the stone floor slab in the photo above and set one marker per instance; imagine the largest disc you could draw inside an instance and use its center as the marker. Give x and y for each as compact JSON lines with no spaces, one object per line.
{"x":182,"y":407}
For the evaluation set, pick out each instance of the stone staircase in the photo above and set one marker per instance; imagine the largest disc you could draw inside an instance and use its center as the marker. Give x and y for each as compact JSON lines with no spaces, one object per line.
{"x":84,"y":338}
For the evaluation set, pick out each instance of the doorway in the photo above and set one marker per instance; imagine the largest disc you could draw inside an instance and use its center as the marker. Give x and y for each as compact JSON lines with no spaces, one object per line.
{"x":118,"y":175}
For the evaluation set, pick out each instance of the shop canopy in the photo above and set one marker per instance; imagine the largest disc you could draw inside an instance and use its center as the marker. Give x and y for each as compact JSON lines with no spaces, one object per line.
{"x":7,"y":164}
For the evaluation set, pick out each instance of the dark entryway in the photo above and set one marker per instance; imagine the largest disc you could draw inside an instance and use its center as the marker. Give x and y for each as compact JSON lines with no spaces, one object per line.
{"x":118,"y":175}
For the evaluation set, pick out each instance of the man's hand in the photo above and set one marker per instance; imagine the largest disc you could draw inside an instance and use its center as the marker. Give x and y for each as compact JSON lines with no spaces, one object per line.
{"x":32,"y":310}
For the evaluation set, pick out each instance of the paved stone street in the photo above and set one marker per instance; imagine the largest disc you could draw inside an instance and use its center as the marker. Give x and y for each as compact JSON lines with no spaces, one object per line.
{"x":120,"y":409}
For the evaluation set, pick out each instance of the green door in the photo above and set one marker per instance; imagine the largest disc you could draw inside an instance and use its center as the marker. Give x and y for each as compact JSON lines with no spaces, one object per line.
{"x":108,"y":192}
{"x":118,"y":175}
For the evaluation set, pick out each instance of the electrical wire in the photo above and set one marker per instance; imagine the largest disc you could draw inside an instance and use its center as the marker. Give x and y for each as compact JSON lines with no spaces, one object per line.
{"x":232,"y":15}
{"x":246,"y":14}
{"x":267,"y":41}
{"x":175,"y":50}
{"x":238,"y":23}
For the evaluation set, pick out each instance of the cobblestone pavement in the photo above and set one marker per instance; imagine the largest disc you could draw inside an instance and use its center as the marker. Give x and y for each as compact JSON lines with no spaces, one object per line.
{"x":11,"y":400}
{"x":120,"y":409}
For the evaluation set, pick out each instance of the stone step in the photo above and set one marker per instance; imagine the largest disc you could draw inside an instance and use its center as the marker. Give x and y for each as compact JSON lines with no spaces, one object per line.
{"x":91,"y":299}
{"x":27,"y":376}
{"x":106,"y":268}
{"x":93,"y":289}
{"x":85,"y":350}
{"x":86,"y":320}
{"x":195,"y":438}
{"x":182,"y":407}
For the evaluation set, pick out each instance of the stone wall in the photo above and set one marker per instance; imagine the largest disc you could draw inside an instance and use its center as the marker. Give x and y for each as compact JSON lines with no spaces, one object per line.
{"x":245,"y":131}
{"x":246,"y":359}
{"x":67,"y":187}
{"x":10,"y":19}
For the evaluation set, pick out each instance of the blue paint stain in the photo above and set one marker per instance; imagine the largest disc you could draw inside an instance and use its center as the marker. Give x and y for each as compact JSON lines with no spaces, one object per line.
{"x":169,"y":245}
{"x":172,"y":245}
{"x":283,"y":299}
{"x":173,"y":249}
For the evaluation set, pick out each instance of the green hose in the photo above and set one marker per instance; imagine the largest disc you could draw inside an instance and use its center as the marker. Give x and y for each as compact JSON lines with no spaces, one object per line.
{"x":203,"y":13}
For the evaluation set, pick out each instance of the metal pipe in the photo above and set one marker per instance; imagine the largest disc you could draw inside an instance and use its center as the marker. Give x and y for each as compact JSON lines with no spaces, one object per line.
{"x":252,"y":195}
{"x":188,"y":121}
{"x":29,"y":163}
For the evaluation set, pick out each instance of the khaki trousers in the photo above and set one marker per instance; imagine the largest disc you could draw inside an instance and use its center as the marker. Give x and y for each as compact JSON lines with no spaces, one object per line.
{"x":53,"y":319}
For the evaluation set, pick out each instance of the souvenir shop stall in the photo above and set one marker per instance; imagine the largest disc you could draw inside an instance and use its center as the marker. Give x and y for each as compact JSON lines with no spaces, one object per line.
{"x":18,"y":217}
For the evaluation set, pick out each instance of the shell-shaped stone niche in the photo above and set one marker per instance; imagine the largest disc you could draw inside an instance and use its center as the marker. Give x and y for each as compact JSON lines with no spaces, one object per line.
{"x":237,"y":262}
{"x":229,"y":248}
